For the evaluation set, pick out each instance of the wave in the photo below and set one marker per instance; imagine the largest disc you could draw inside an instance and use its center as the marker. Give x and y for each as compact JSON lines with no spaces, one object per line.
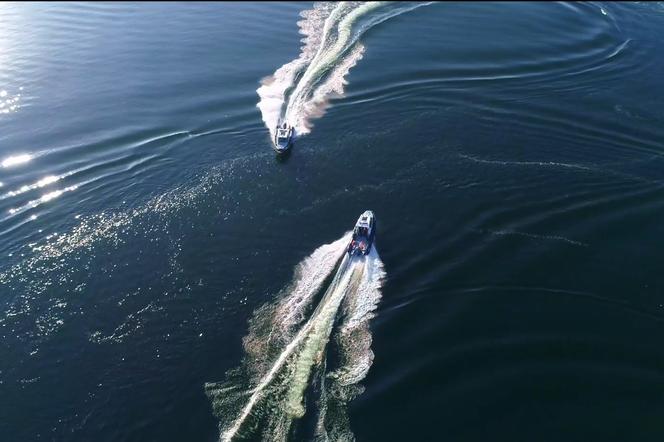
{"x":287,"y":351}
{"x":330,"y":49}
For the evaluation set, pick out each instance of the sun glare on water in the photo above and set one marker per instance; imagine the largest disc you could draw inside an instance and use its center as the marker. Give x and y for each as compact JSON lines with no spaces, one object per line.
{"x":15,"y":160}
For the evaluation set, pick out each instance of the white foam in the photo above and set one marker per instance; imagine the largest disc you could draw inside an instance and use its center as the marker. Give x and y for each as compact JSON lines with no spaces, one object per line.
{"x":330,"y":50}
{"x":317,"y":334}
{"x":310,"y":275}
{"x":302,"y":336}
{"x":305,"y":286}
{"x":273,"y":89}
{"x":353,"y":338}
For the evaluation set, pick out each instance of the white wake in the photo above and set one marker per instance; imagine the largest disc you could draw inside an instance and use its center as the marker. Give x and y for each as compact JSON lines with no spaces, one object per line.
{"x":287,"y":349}
{"x":301,"y":89}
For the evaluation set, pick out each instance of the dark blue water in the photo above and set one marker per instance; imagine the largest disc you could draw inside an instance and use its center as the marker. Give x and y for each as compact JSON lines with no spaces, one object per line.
{"x":512,"y":153}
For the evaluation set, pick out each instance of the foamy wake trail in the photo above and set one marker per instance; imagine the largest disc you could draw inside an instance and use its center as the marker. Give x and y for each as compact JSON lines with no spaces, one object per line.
{"x":330,"y":49}
{"x":287,"y":356}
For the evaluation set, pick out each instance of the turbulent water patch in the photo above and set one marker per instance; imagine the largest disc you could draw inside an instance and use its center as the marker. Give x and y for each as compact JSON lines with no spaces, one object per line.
{"x":330,"y":49}
{"x":313,"y":341}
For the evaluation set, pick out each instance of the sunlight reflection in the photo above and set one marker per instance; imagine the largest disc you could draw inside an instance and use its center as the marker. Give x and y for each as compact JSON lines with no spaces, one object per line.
{"x":43,"y":199}
{"x":16,"y":160}
{"x":50,"y":179}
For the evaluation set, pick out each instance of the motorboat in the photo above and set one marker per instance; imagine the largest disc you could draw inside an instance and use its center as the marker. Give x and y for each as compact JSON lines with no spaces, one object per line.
{"x":363,"y":235}
{"x":283,"y":137}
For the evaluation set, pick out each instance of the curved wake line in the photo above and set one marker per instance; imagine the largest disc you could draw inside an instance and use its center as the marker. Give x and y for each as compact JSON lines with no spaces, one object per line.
{"x":526,"y":163}
{"x":536,"y":236}
{"x":280,"y":385}
{"x":331,"y":48}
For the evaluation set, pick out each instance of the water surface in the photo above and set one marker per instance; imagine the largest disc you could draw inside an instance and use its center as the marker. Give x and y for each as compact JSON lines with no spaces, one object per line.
{"x":512,"y":154}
